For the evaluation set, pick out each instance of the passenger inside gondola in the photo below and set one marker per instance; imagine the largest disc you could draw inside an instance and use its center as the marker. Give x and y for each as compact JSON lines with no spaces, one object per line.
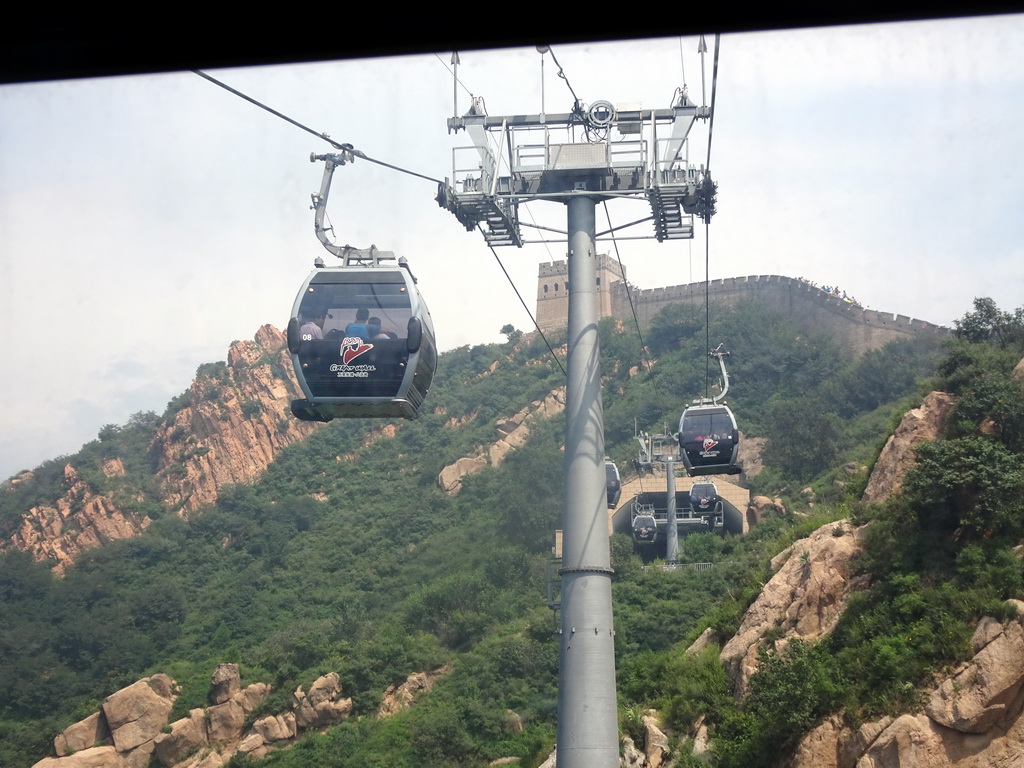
{"x":359,"y":328}
{"x":312,"y":327}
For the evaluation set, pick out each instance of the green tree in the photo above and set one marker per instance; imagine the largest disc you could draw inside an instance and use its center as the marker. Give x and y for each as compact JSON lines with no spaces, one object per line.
{"x":989,"y":323}
{"x":971,"y":487}
{"x":804,"y":436}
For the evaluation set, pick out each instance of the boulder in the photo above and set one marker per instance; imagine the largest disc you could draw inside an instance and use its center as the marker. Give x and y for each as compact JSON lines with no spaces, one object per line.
{"x":655,"y":742}
{"x":276,"y":727}
{"x":707,"y":637}
{"x":450,"y":479}
{"x":750,"y":455}
{"x":225,"y":722}
{"x":136,"y":714}
{"x":631,"y":756}
{"x":253,"y":746}
{"x":513,"y":722}
{"x":187,"y":736}
{"x":324,"y":688}
{"x":90,"y":732}
{"x":702,"y":741}
{"x":1018,"y":371}
{"x":164,"y":686}
{"x":979,"y":695}
{"x":804,"y":599}
{"x":209,"y":759}
{"x":141,"y":756}
{"x":398,"y":697}
{"x":323,"y":704}
{"x":252,"y":696}
{"x":94,"y":757}
{"x":973,"y":718}
{"x":226,"y":682}
{"x":919,"y":425}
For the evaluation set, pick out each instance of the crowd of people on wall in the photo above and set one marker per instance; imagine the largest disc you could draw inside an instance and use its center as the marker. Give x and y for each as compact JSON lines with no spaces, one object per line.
{"x":832,"y":290}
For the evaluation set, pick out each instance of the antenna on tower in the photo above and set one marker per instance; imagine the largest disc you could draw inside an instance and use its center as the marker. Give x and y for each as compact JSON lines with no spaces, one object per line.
{"x":455,"y":82}
{"x":702,"y":48}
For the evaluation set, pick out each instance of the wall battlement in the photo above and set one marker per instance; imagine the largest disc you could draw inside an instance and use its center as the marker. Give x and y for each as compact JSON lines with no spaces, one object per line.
{"x":812,"y":309}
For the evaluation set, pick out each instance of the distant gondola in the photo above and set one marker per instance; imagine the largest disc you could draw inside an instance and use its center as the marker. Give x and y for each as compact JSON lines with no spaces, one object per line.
{"x":704,"y":498}
{"x":613,"y":483}
{"x":705,"y":503}
{"x":362,"y":342}
{"x":645,"y":528}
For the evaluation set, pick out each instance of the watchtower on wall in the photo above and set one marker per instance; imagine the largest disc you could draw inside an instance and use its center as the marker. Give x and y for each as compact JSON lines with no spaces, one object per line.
{"x":553,"y":291}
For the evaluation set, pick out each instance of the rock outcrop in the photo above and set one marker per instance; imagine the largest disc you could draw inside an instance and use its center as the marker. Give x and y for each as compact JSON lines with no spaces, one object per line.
{"x":131,"y":728}
{"x":78,"y":521}
{"x":919,"y":425}
{"x":513,"y":432}
{"x":237,"y":420}
{"x":972,"y":718}
{"x":804,"y":599}
{"x":398,"y":697}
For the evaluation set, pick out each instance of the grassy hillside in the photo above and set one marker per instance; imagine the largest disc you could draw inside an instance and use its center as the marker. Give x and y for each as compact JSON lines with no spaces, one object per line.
{"x":346,"y":557}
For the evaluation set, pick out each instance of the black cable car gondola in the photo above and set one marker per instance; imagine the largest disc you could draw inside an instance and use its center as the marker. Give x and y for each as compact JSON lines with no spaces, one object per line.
{"x":361,"y":338}
{"x":645,"y":528}
{"x":362,"y":341}
{"x":704,"y":498}
{"x":706,"y":504}
{"x":709,"y":440}
{"x":613,"y":483}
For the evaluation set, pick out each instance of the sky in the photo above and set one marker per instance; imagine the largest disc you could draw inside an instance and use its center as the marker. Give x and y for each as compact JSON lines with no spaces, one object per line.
{"x":146,"y":222}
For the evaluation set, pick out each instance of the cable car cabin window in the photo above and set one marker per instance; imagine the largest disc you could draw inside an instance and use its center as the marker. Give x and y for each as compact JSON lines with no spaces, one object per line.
{"x":363,"y":351}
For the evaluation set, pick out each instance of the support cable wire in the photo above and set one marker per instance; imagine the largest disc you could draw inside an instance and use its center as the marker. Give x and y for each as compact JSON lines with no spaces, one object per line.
{"x":577,"y":115}
{"x":520,"y":297}
{"x":561,"y":74}
{"x":629,"y":293}
{"x":324,"y":136}
{"x":707,"y":229}
{"x":358,"y":153}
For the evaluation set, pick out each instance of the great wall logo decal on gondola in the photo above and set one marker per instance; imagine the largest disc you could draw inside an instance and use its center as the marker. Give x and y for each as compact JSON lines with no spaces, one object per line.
{"x":351,"y":348}
{"x":709,"y":443}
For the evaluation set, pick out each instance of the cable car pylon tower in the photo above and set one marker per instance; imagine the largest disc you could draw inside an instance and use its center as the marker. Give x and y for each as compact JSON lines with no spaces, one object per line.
{"x":593,"y":153}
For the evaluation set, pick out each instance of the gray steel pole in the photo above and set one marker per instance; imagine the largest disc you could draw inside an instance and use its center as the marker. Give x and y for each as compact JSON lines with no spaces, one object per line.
{"x":588,"y":730}
{"x":671,"y":526}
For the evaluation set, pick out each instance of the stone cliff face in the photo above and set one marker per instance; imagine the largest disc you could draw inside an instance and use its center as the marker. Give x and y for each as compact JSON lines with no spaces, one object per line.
{"x":80,"y":520}
{"x":972,"y":718}
{"x":804,"y":599}
{"x":512,"y":433}
{"x":236,"y":421}
{"x":919,"y":425}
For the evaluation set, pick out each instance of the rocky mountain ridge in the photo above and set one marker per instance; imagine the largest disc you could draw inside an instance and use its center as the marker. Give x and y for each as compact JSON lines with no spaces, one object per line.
{"x":233,"y":421}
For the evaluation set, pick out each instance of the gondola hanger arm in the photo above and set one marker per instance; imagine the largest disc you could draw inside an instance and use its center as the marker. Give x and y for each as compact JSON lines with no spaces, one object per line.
{"x":347,"y":253}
